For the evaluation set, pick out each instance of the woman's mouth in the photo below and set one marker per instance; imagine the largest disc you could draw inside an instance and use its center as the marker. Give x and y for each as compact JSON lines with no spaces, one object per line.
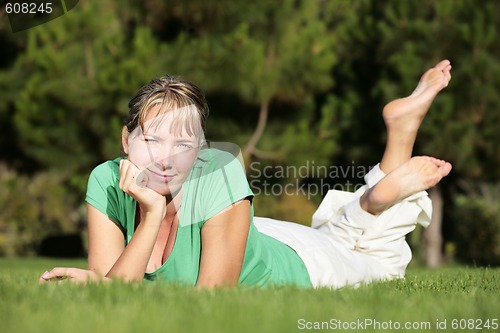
{"x":164,"y":177}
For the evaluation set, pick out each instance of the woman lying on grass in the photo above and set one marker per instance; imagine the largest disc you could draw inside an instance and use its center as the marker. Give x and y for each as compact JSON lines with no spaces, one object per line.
{"x":177,"y":210}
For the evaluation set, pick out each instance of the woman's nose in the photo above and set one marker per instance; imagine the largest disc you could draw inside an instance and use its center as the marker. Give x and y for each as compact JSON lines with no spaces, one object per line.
{"x":166,"y":160}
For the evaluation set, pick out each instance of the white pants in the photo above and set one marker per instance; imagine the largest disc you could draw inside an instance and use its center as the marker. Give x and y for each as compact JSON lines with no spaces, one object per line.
{"x":348,"y":246}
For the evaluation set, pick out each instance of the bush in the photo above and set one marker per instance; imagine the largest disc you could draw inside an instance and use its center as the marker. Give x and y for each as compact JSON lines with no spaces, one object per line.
{"x":477,"y":220}
{"x":32,"y":209}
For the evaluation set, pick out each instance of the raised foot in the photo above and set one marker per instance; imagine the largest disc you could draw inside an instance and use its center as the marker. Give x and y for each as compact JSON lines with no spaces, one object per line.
{"x":417,"y":174}
{"x":407,"y":113}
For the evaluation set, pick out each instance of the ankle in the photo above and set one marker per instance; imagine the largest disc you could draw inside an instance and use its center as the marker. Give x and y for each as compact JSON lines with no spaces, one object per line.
{"x":369,"y":205}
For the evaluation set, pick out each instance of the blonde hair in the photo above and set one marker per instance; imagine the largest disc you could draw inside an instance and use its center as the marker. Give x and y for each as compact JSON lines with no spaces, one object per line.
{"x":171,"y":94}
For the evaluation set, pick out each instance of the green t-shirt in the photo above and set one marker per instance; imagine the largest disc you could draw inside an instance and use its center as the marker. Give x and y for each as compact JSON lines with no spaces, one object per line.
{"x":215,"y":182}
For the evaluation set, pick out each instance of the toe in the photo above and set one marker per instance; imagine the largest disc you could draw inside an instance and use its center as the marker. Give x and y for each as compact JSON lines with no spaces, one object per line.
{"x":442,"y":64}
{"x":447,"y":168}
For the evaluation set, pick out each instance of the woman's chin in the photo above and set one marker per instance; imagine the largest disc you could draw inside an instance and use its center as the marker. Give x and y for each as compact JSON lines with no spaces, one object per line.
{"x":163,"y":189}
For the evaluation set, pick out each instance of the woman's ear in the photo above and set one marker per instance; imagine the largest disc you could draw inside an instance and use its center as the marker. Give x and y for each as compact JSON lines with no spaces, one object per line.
{"x":125,"y":139}
{"x":202,"y":143}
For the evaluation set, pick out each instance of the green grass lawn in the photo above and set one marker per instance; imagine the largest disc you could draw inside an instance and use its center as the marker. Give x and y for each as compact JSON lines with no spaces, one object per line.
{"x":453,"y":299}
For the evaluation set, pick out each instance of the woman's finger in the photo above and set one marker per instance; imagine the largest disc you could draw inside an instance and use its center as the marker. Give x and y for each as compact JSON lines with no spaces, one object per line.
{"x":132,"y":180}
{"x":128,"y":174}
{"x":124,"y":171}
{"x":58,"y":273}
{"x":120,"y":184}
{"x":43,"y":277}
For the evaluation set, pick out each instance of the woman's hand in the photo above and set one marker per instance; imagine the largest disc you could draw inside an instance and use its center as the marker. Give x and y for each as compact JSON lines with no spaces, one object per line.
{"x":133,"y":182}
{"x":76,"y":275}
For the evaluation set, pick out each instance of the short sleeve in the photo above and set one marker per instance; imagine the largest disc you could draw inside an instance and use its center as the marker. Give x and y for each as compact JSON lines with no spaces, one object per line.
{"x":219,"y":182}
{"x":228,"y":184}
{"x":102,"y":190}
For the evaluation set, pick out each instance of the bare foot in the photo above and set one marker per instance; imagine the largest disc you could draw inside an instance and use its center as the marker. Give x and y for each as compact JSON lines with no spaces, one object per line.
{"x":407,"y":113}
{"x":417,"y":174}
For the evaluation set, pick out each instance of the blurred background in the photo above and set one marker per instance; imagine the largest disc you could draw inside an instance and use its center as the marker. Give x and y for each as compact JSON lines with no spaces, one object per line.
{"x":296,"y":84}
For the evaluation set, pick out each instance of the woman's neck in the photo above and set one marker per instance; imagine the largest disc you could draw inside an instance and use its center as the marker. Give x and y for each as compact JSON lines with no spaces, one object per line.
{"x":174,"y":203}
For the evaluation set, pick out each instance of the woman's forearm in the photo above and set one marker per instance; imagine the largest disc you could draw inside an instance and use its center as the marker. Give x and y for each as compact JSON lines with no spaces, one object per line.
{"x":132,"y":263}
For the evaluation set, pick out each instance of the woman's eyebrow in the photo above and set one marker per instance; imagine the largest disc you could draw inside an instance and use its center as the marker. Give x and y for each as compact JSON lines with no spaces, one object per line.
{"x":190,"y":141}
{"x":175,"y":140}
{"x":152,"y":136}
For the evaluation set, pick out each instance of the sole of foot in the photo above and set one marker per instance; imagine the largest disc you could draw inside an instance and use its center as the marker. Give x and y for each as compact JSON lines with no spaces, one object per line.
{"x":417,"y":174}
{"x":408,"y":112}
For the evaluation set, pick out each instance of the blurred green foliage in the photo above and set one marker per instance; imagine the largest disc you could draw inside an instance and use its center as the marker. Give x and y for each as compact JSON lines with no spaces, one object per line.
{"x":477,"y":213}
{"x":33,"y":208}
{"x":322,"y":71}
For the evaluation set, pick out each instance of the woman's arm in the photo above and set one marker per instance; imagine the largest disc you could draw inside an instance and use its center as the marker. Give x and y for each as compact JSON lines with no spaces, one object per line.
{"x":224,"y":239}
{"x":108,"y":256}
{"x":130,"y":263}
{"x":106,"y":243}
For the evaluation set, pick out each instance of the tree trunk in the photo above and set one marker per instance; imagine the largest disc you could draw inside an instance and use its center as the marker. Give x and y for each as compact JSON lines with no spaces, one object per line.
{"x":250,"y":147}
{"x":433,"y":240}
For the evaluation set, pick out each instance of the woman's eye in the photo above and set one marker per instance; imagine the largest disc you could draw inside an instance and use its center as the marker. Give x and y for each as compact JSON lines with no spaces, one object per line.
{"x":184,"y":146}
{"x":148,"y":140}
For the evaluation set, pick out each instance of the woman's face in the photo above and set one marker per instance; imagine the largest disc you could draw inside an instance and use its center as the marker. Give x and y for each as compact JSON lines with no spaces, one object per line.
{"x":164,"y":156}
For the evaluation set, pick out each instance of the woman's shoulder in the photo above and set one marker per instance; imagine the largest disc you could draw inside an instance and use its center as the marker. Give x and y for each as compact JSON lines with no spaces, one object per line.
{"x":216,"y":181}
{"x":108,"y":168}
{"x":106,"y":173}
{"x":227,"y":157}
{"x":103,"y":192}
